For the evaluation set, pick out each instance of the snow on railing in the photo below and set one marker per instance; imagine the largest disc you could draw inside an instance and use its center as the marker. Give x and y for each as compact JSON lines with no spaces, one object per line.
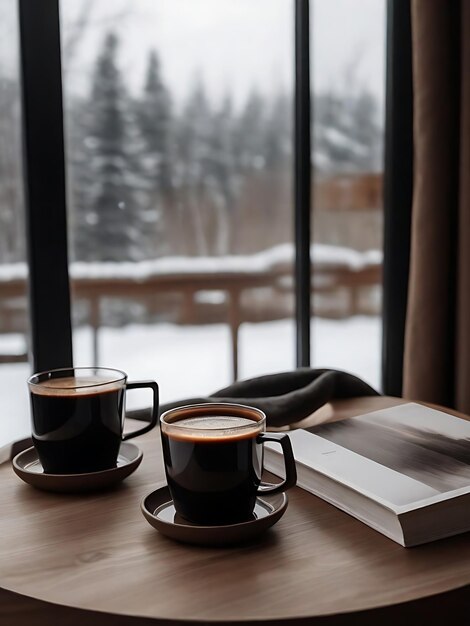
{"x":324,"y":257}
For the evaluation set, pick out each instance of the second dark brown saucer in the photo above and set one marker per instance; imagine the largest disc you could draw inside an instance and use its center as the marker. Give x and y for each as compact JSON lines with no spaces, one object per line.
{"x":158,"y":509}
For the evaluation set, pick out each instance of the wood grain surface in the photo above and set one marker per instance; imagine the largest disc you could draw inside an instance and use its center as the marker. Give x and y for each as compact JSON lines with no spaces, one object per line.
{"x":67,"y":558}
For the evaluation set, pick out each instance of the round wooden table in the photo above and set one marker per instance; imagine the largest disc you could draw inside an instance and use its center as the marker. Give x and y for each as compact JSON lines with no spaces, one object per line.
{"x":93,"y":559}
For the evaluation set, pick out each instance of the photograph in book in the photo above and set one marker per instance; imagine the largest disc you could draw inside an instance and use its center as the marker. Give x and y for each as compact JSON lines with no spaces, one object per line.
{"x":404,"y":471}
{"x":407,"y":440}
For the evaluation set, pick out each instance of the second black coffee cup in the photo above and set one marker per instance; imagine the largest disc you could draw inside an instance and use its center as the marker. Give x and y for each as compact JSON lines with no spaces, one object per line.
{"x":77,"y":417}
{"x":213,"y":455}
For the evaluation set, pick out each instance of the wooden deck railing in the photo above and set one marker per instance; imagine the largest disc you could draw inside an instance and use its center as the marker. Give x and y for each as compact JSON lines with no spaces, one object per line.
{"x":232,"y":276}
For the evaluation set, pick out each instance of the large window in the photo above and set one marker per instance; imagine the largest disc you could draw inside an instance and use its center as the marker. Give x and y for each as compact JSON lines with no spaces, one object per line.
{"x":179,"y":157}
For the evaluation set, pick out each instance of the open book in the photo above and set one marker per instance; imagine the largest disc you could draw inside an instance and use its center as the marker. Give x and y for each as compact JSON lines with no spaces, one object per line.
{"x":404,"y":471}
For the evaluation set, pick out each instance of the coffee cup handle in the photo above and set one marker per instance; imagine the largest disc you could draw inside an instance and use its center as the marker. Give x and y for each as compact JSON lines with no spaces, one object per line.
{"x":144,"y":384}
{"x":289,"y":464}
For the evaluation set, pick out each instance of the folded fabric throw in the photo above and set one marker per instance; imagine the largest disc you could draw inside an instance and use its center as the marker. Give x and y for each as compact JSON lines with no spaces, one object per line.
{"x":286,"y":397}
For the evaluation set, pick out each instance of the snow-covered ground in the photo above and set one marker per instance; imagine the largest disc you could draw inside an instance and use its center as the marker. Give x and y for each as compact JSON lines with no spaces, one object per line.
{"x":195,"y":360}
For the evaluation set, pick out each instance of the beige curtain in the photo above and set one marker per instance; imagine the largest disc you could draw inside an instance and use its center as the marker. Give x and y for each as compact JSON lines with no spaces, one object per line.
{"x":437,"y":343}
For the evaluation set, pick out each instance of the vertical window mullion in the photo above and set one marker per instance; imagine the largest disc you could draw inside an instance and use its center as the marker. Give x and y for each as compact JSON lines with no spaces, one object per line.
{"x":398,"y":191}
{"x":302,"y":181}
{"x":45,"y":191}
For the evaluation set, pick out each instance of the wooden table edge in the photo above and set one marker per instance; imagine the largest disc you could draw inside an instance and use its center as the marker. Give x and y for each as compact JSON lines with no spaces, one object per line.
{"x":22,"y":610}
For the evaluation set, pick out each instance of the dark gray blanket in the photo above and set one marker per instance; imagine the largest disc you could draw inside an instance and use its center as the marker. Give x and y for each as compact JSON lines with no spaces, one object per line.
{"x":286,"y":397}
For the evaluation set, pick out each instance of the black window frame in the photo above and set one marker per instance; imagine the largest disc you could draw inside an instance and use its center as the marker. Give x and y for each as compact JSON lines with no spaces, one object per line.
{"x":398,"y":192}
{"x":45,"y":185}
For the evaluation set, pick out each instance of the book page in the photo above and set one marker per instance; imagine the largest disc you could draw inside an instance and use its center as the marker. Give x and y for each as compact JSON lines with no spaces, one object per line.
{"x":387,"y":486}
{"x":404,"y":457}
{"x":427,"y":445}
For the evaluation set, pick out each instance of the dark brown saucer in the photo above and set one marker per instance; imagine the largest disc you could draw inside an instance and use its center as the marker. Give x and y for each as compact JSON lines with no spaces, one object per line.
{"x":28,"y":467}
{"x":160,"y":513}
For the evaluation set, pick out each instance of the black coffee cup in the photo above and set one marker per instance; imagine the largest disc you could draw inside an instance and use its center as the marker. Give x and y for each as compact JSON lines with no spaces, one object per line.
{"x":77,"y":417}
{"x":213,"y":455}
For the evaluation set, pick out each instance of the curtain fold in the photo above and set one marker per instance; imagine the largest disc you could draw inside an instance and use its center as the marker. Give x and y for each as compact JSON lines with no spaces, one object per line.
{"x":437,"y":338}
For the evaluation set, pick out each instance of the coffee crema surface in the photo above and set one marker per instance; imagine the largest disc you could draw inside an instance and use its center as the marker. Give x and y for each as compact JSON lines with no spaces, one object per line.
{"x":73,"y":385}
{"x":212,"y":427}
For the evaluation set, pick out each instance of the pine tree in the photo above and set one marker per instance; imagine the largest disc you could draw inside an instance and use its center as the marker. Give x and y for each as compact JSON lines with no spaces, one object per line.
{"x":278,"y":133}
{"x":193,"y":142}
{"x":221,"y":154}
{"x":155,"y":124}
{"x":110,"y":224}
{"x":222,"y":179}
{"x":250,"y":144}
{"x":12,"y":247}
{"x":80,"y":179}
{"x":154,"y":119}
{"x":367,"y":130}
{"x":347,"y":132}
